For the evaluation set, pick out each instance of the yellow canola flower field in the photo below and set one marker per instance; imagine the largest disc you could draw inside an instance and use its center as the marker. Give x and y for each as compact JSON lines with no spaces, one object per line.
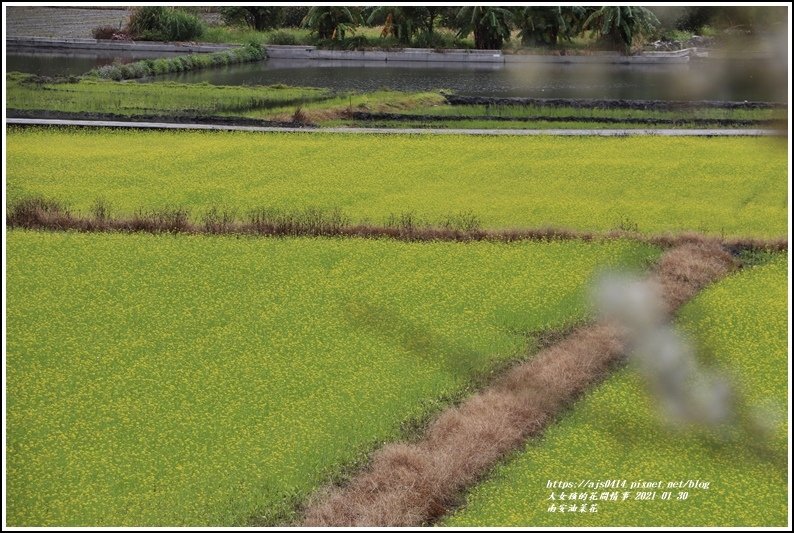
{"x":721,"y":186}
{"x":614,"y":434}
{"x":195,"y":380}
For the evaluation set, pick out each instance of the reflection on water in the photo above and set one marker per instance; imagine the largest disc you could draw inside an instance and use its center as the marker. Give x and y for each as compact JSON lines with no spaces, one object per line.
{"x":711,"y":79}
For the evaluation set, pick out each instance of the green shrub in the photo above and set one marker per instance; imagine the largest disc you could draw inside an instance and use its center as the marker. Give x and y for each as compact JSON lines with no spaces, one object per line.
{"x":440,"y":40}
{"x":220,"y":60}
{"x":160,"y":66}
{"x":359,"y":42}
{"x":110,"y":72}
{"x":146,"y":18}
{"x":183,"y":63}
{"x":259,"y":18}
{"x":282,"y":37}
{"x":125,"y":70}
{"x":158,"y":23}
{"x":681,"y":36}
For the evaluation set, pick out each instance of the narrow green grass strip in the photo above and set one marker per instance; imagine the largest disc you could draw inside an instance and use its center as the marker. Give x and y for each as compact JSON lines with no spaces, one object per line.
{"x":614,"y":434}
{"x":184,"y":63}
{"x":713,"y":185}
{"x":193,"y":380}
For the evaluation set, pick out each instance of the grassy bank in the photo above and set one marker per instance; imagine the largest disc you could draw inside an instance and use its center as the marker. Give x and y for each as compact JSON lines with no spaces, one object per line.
{"x":173,"y":380}
{"x":152,"y":67}
{"x":714,"y":185}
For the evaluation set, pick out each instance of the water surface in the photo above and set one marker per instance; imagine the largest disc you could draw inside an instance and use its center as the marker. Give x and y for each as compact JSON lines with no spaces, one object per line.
{"x":711,"y":79}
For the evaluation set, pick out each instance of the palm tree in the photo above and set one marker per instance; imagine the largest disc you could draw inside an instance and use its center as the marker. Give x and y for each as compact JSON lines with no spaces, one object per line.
{"x":545,"y":25}
{"x":405,"y":21}
{"x":331,"y":22}
{"x":399,"y":22}
{"x":621,"y":24}
{"x":260,"y":18}
{"x":491,"y":25}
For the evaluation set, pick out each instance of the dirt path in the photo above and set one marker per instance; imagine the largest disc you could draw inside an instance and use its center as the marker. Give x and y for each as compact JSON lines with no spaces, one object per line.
{"x":403,"y":131}
{"x":411,"y":484}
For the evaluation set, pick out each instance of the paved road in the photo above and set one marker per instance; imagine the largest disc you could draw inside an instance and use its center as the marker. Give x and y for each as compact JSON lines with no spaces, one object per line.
{"x":434,"y":131}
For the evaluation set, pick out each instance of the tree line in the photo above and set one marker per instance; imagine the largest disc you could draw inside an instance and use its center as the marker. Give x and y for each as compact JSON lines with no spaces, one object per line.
{"x":491,"y":26}
{"x":612,"y":27}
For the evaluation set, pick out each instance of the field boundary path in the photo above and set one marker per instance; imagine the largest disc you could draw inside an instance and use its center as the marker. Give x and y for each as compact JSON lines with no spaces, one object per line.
{"x":415,"y":483}
{"x":743,"y":132}
{"x":43,"y":214}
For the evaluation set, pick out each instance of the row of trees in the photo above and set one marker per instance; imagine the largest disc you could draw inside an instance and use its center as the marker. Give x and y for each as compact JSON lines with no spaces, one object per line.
{"x":491,"y":25}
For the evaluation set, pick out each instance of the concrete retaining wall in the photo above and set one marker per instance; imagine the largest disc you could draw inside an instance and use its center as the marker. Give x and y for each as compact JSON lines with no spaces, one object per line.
{"x":469,"y":56}
{"x":421,"y":55}
{"x":405,"y":54}
{"x":679,"y":56}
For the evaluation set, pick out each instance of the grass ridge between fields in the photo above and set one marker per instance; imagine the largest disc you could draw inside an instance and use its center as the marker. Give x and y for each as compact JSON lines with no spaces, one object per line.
{"x":43,"y":214}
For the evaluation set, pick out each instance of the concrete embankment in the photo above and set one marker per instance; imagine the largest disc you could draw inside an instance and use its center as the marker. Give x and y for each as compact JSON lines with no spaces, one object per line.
{"x":290,"y":52}
{"x":468,"y":56}
{"x":584,"y":103}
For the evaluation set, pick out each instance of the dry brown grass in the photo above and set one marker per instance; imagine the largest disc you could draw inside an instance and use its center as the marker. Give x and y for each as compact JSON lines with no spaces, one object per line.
{"x":411,"y":484}
{"x":45,"y":214}
{"x":347,"y":110}
{"x":684,"y":270}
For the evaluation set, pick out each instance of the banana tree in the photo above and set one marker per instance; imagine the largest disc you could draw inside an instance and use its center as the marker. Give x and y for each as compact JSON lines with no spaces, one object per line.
{"x":622,"y":24}
{"x":398,"y":22}
{"x":332,"y":22}
{"x":545,"y":25}
{"x":491,"y":25}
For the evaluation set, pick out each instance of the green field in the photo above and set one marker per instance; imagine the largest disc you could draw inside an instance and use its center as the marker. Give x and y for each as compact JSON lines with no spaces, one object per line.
{"x":174,"y":380}
{"x":723,"y":186}
{"x":131,"y":98}
{"x":613,"y":433}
